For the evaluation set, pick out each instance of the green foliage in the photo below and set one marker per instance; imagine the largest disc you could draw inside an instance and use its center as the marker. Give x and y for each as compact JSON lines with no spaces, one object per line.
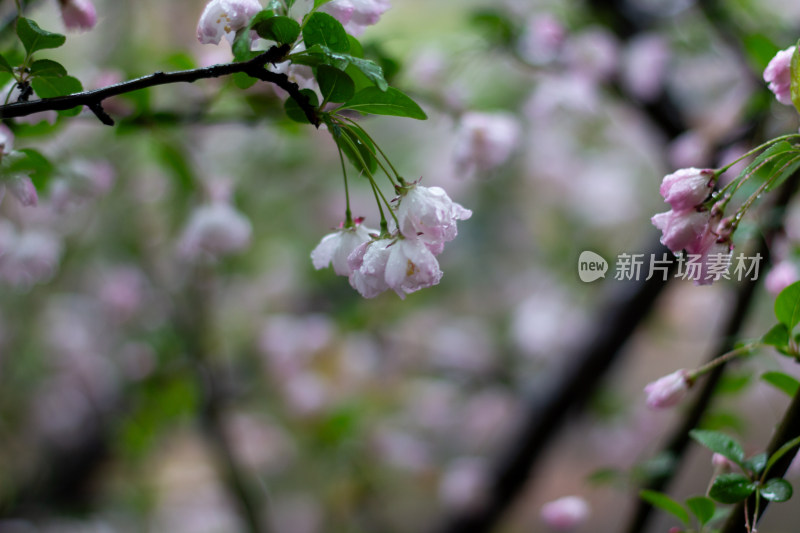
{"x":243,"y":81}
{"x":779,"y":161}
{"x":324,"y":30}
{"x":795,"y":75}
{"x":719,"y":443}
{"x":52,"y":87}
{"x":29,"y":162}
{"x":731,"y":488}
{"x":47,"y":68}
{"x":783,"y":450}
{"x":35,"y":38}
{"x":665,"y":503}
{"x":777,"y":336}
{"x":783,"y":382}
{"x":293,"y":109}
{"x":355,"y":145}
{"x":703,"y":508}
{"x":787,"y":306}
{"x":335,"y":85}
{"x":391,"y":102}
{"x":322,"y":55}
{"x":496,"y":25}
{"x":282,"y":30}
{"x":756,"y":463}
{"x":5,"y":66}
{"x":776,"y":490}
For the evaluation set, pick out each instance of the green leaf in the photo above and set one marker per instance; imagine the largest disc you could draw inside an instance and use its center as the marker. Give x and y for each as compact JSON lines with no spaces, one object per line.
{"x":35,"y":38}
{"x":756,"y":463}
{"x":241,"y":46}
{"x":53,"y":87}
{"x":760,"y":48}
{"x":607,"y":476}
{"x":356,"y":146}
{"x":323,"y":29}
{"x":795,"y":75}
{"x":787,"y":306}
{"x":282,"y":30}
{"x":392,"y":102}
{"x":46,"y":68}
{"x":322,"y":55}
{"x":732,"y":384}
{"x":335,"y":85}
{"x":496,"y":25}
{"x":776,"y":490}
{"x":665,"y":503}
{"x":731,"y":488}
{"x":30,"y":162}
{"x":783,"y":450}
{"x":5,"y":66}
{"x":702,"y":507}
{"x":719,"y":443}
{"x":778,"y":336}
{"x":293,"y":109}
{"x":782,"y":382}
{"x":320,"y":3}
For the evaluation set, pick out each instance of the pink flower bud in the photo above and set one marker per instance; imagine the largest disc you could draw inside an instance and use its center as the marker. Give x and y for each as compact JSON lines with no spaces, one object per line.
{"x":23,"y":190}
{"x":78,"y":15}
{"x":781,"y":276}
{"x":720,"y":462}
{"x":687,"y":187}
{"x":681,"y":229}
{"x":565,"y":513}
{"x":356,"y":15}
{"x":778,"y":75}
{"x":668,"y":390}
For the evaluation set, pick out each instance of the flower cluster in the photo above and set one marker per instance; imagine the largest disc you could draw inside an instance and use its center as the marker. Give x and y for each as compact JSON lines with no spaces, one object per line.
{"x":403,"y":260}
{"x":690,"y":225}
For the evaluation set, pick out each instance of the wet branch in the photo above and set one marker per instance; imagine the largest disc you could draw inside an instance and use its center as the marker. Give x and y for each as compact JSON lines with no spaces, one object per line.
{"x":255,"y":68}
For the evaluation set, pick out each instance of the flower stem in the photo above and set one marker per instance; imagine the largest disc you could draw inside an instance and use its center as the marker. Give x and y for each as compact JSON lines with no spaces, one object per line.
{"x":722,"y":359}
{"x":348,"y":215}
{"x":383,"y":154}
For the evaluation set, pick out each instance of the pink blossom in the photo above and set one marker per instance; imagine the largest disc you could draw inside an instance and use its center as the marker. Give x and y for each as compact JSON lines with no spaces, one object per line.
{"x":403,"y":265}
{"x":429,"y":214}
{"x":6,"y":139}
{"x":484,"y":141}
{"x":779,"y":77}
{"x":78,"y":15}
{"x":23,"y":190}
{"x":781,"y":276}
{"x":668,"y":390}
{"x":644,"y":65}
{"x":356,"y":15}
{"x":682,"y":229}
{"x":542,"y":39}
{"x":687,"y":187}
{"x":214,"y":230}
{"x":463,"y":483}
{"x":565,"y":514}
{"x":224,"y":18}
{"x":335,"y":248}
{"x":720,"y":462}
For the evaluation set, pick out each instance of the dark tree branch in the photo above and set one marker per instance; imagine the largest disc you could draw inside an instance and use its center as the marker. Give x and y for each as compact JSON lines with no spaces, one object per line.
{"x":255,"y":68}
{"x":626,"y":305}
{"x":788,"y":430}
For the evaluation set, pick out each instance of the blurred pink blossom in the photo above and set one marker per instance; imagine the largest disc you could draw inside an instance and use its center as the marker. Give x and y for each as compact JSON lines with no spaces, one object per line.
{"x":668,"y":390}
{"x":781,"y":276}
{"x":215,"y":230}
{"x":356,"y":15}
{"x":223,"y":18}
{"x":464,"y":483}
{"x":22,"y":188}
{"x":565,"y":514}
{"x":593,"y":53}
{"x":722,"y":463}
{"x":778,"y":75}
{"x":79,"y":15}
{"x":542,"y":39}
{"x":484,"y":141}
{"x":6,"y":139}
{"x":644,"y":66}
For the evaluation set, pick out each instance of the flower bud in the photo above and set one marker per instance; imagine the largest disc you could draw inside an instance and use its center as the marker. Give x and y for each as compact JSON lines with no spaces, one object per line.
{"x":78,"y":15}
{"x":778,"y":75}
{"x":687,"y":187}
{"x":668,"y":390}
{"x":565,"y":513}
